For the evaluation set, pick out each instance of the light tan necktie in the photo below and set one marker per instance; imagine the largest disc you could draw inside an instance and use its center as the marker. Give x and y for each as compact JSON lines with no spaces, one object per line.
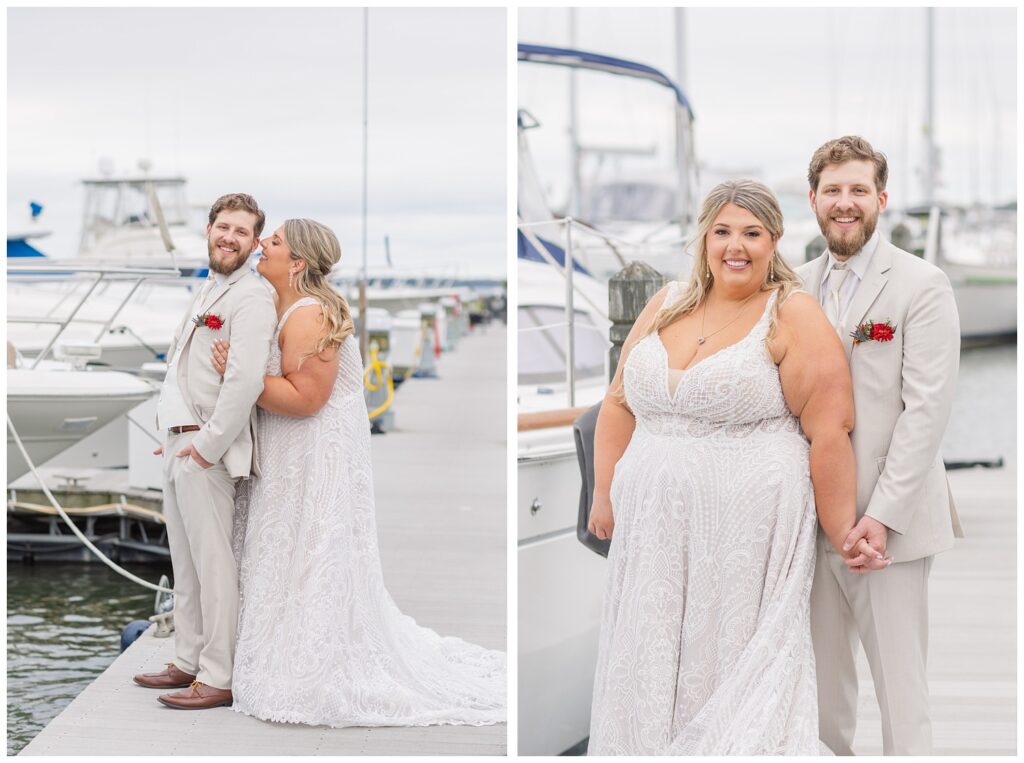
{"x":836,"y":279}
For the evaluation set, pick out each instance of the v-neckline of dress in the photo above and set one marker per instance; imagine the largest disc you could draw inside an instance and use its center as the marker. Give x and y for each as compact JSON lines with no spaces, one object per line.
{"x":672,"y":393}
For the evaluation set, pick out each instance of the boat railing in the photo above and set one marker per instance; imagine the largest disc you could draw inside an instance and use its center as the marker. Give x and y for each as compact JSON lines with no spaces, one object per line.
{"x":99,"y":275}
{"x":566,"y":271}
{"x":561,"y":417}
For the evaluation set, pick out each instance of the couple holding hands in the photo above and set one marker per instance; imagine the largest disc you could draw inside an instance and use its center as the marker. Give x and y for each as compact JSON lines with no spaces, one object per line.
{"x":280,"y":608}
{"x":767,"y":466}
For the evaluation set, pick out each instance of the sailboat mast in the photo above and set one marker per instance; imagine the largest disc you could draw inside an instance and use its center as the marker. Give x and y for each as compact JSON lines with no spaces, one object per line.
{"x":931,"y":154}
{"x":684,"y":155}
{"x":574,"y":138}
{"x":679,"y":17}
{"x":363,"y":302}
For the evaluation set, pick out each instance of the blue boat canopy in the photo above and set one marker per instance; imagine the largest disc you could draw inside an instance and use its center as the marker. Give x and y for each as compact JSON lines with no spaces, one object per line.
{"x":583,"y":60}
{"x":527,"y":251}
{"x":19,"y":248}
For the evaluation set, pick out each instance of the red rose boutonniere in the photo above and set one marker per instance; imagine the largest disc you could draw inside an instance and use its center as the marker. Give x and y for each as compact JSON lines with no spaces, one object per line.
{"x":872,"y":331}
{"x":210,"y":320}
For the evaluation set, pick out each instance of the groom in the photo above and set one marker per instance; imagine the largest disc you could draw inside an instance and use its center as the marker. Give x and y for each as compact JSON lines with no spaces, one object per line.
{"x":898,"y":322}
{"x":209,"y":443}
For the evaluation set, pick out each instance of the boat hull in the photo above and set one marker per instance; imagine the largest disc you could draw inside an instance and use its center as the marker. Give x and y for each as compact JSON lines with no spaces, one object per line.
{"x":561,"y":584}
{"x":53,"y":410}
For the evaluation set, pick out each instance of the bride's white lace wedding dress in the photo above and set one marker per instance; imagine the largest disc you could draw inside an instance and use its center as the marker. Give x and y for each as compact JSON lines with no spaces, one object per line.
{"x":320,"y":641}
{"x":705,"y":642}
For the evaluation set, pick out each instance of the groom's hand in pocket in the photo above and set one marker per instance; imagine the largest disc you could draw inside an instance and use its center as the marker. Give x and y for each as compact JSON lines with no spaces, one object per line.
{"x":191,"y":451}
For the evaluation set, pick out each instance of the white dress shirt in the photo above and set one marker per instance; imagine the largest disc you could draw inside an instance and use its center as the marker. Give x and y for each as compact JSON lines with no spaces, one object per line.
{"x":171,"y":410}
{"x":857,"y":265}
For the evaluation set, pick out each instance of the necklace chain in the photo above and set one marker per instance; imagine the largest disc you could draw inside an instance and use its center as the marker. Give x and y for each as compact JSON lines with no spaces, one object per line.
{"x":704,"y":313}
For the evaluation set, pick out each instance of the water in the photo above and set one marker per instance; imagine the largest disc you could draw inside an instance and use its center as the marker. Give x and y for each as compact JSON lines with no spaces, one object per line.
{"x":983,"y":422}
{"x":64,"y":625}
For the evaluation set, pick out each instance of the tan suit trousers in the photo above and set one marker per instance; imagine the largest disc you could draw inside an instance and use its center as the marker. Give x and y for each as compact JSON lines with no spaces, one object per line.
{"x":888,"y":611}
{"x":199,"y":506}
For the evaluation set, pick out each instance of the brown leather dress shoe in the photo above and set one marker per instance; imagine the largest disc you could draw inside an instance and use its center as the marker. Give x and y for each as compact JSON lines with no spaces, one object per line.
{"x":171,"y":677}
{"x":198,"y":696}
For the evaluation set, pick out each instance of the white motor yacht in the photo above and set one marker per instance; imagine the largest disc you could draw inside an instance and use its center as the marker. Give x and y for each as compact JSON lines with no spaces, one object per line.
{"x":54,"y":406}
{"x":142,"y":221}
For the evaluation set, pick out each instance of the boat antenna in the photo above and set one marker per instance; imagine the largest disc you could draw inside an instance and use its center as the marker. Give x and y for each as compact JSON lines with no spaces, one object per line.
{"x":158,"y":212}
{"x":931,"y":157}
{"x":363,"y":329}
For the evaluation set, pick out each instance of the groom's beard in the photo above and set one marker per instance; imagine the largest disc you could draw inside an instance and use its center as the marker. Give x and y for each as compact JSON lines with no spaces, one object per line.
{"x":853,"y":241}
{"x":225,"y":266}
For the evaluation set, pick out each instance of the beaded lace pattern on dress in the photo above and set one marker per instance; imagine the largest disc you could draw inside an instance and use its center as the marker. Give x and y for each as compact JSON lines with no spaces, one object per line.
{"x":705,"y":644}
{"x":320,"y":640}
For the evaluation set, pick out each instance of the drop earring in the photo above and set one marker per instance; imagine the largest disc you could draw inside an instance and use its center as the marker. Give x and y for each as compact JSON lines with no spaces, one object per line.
{"x":291,"y":279}
{"x":771,"y":269}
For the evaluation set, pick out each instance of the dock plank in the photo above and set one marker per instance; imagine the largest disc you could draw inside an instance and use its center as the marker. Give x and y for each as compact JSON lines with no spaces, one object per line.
{"x":972,"y":657}
{"x":441,"y":502}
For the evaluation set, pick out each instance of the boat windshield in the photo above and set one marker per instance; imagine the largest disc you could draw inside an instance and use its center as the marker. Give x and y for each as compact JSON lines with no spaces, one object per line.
{"x":632,"y":201}
{"x":127,"y":203}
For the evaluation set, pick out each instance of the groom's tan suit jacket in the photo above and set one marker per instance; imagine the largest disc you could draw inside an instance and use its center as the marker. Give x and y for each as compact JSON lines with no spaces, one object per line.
{"x":903,"y":392}
{"x":225,"y":408}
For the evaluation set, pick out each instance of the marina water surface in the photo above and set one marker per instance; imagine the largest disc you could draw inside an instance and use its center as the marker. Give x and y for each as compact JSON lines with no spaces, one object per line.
{"x":64,"y":623}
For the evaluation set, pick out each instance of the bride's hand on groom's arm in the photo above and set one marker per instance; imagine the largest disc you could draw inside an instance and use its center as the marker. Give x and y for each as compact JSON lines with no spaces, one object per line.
{"x":219,"y":356}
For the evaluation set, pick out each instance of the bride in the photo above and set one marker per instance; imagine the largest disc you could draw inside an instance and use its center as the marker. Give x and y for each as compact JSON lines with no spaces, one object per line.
{"x":320,"y":641}
{"x":726,"y":426}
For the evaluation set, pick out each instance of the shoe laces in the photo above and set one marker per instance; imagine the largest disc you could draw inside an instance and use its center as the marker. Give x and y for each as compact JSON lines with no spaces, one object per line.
{"x":195,"y":686}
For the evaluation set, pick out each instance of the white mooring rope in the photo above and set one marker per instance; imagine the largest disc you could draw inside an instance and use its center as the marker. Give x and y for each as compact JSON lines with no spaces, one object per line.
{"x":75,"y":530}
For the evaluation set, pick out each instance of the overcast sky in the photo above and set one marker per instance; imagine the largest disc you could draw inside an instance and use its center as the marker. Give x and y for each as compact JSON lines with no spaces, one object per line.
{"x":770,"y":85}
{"x":269,"y":101}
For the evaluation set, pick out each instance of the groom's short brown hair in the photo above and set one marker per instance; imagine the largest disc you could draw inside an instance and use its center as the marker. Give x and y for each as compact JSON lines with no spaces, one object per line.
{"x":243,"y":201}
{"x":849,"y":148}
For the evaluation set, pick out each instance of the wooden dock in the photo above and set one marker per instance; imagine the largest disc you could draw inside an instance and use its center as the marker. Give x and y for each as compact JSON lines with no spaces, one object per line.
{"x":972,"y":655}
{"x":441,"y":511}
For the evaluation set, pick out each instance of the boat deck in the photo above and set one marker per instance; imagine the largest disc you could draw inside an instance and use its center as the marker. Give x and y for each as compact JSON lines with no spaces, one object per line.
{"x":440,"y":489}
{"x":972,"y":659}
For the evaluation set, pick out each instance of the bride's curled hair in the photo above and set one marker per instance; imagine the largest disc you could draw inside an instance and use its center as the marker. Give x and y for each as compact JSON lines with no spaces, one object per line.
{"x":316,"y":245}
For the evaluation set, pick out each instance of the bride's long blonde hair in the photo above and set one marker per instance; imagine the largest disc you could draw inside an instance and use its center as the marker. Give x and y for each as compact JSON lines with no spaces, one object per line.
{"x":757,"y":199}
{"x":316,"y":245}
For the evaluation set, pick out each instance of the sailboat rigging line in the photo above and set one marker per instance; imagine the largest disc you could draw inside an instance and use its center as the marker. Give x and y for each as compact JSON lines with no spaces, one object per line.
{"x":543,"y":250}
{"x":148,"y":433}
{"x":81,"y":536}
{"x":139,"y":339}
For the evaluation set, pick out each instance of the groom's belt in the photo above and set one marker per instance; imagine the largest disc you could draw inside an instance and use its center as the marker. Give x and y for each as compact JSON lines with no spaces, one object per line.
{"x":179,"y":430}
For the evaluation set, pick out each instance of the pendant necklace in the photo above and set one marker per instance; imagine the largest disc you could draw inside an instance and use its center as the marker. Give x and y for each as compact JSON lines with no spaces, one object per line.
{"x":704,"y":337}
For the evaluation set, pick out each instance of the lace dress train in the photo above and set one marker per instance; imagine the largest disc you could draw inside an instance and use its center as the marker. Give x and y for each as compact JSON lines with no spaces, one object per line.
{"x":320,"y":640}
